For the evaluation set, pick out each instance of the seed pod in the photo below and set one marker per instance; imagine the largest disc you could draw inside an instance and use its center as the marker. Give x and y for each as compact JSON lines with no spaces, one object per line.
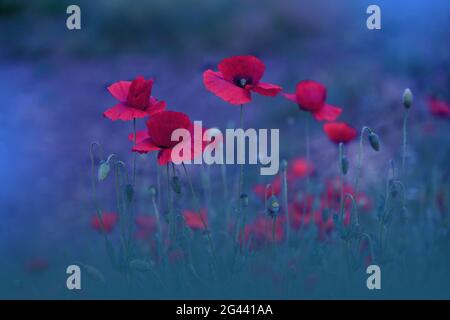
{"x":344,"y":165}
{"x":94,"y":273}
{"x":374,"y":141}
{"x":152,"y":191}
{"x":176,"y":185}
{"x":129,"y":192}
{"x":407,"y":98}
{"x":103,"y":170}
{"x":273,"y":206}
{"x":244,"y":200}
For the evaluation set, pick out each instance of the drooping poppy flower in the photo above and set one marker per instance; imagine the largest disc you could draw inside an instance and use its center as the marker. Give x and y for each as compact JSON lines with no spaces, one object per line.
{"x":109,"y":220}
{"x":158,"y":137}
{"x":339,"y":132}
{"x":260,"y":189}
{"x":135,"y":100}
{"x":237,"y":78}
{"x":195,"y":221}
{"x":311,"y":96}
{"x":438,"y":108}
{"x":299,"y":168}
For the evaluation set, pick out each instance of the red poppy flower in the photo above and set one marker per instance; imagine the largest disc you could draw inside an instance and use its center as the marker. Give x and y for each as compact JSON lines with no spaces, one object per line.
{"x":438,"y":108}
{"x":311,"y":96}
{"x":158,"y":135}
{"x":260,"y":232}
{"x":109,"y":221}
{"x":301,"y":212}
{"x":135,"y":100}
{"x":237,"y":78}
{"x":299,"y":168}
{"x":195,"y":221}
{"x":260,"y":189}
{"x":339,"y":132}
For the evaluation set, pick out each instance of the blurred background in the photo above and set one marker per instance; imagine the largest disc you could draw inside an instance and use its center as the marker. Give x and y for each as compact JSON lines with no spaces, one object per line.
{"x":53,"y":88}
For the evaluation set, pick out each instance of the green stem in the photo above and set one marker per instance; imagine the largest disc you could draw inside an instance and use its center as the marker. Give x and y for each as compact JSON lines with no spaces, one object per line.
{"x":109,"y":247}
{"x":341,"y":175}
{"x":286,"y":207}
{"x":170,"y":204}
{"x":134,"y":153}
{"x":308,"y":155}
{"x":405,"y":123}
{"x":360,"y":158}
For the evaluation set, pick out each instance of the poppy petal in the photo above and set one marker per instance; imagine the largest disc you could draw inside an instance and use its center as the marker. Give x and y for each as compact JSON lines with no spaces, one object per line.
{"x":145,"y":146}
{"x":140,"y":136}
{"x":119,"y":90}
{"x":327,"y":113}
{"x":242,"y":66}
{"x":122,"y":112}
{"x":165,"y":156}
{"x":266,"y":89}
{"x":311,"y":95}
{"x":290,"y":96}
{"x":224,"y":89}
{"x":156,"y":106}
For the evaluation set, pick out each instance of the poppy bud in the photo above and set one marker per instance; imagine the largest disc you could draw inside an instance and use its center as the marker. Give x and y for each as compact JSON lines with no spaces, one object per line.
{"x":129,"y":192}
{"x":374,"y":141}
{"x":344,"y":165}
{"x":176,"y":185}
{"x":244,"y":200}
{"x":152,"y":191}
{"x":140,"y":265}
{"x":103,"y":170}
{"x":284,"y":165}
{"x":94,"y":273}
{"x":407,"y":98}
{"x":273,"y":206}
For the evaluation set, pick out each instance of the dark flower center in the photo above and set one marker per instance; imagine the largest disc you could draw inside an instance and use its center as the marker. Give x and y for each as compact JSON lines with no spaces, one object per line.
{"x":242,"y":81}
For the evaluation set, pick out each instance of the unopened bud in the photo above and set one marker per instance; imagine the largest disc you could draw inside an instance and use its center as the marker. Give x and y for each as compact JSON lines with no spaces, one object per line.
{"x":374,"y":141}
{"x":407,"y":98}
{"x":284,"y":165}
{"x":244,"y":200}
{"x":152,"y":191}
{"x":103,"y":170}
{"x":176,"y":185}
{"x":273,"y":206}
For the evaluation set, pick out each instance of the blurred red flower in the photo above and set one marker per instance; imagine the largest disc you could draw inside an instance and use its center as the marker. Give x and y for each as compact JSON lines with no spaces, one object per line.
{"x":260,"y":232}
{"x":195,"y":221}
{"x":135,"y":100}
{"x":301,"y":212}
{"x":299,"y":168}
{"x":146,"y":226}
{"x":158,"y":135}
{"x":438,"y":108}
{"x":237,"y":77}
{"x":311,"y":96}
{"x":339,"y":132}
{"x":37,"y":265}
{"x":109,"y":221}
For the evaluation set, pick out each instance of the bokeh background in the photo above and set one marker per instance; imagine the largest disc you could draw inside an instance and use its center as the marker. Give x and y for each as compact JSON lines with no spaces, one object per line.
{"x":53,"y":90}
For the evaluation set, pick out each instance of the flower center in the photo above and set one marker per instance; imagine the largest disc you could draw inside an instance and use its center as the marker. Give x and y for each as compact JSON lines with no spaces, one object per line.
{"x":241,"y":81}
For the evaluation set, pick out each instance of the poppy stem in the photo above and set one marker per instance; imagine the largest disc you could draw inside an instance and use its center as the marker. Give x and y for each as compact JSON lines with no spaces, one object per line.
{"x":134,"y":153}
{"x":170,"y":206}
{"x":308,"y":155}
{"x":109,"y":248}
{"x":241,"y":169}
{"x":197,"y":210}
{"x":341,"y":174}
{"x":360,"y":157}
{"x":286,"y":207}
{"x":405,"y":123}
